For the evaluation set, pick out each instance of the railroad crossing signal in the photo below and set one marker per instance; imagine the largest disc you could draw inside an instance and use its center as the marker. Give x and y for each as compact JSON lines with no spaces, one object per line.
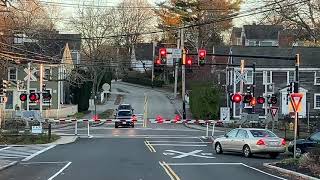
{"x":261,"y":100}
{"x":202,"y":53}
{"x":236,"y":98}
{"x":295,"y":99}
{"x":163,"y":55}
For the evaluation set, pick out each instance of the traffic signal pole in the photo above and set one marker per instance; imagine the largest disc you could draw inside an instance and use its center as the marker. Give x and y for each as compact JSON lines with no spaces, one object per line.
{"x":176,"y":69}
{"x":28,"y":85}
{"x":41,"y":90}
{"x":183,"y":73}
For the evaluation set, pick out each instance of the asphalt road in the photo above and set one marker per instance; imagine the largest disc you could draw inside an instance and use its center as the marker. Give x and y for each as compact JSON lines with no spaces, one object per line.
{"x":158,"y":152}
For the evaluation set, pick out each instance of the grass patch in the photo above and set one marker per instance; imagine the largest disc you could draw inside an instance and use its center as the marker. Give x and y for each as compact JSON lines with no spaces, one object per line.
{"x":106,"y":114}
{"x":79,"y":115}
{"x":27,"y":138}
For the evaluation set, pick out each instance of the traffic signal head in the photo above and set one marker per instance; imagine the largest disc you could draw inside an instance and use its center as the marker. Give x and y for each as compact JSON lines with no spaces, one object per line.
{"x":158,"y":62}
{"x":46,"y":96}
{"x":163,"y":55}
{"x":34,"y":97}
{"x":23,"y":97}
{"x":273,"y":100}
{"x":253,"y":102}
{"x":236,"y":98}
{"x":247,"y":98}
{"x":261,"y":100}
{"x":189,"y":61}
{"x":202,"y":56}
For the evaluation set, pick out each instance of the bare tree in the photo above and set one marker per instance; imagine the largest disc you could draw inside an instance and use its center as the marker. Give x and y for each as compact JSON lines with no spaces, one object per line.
{"x":297,"y":14}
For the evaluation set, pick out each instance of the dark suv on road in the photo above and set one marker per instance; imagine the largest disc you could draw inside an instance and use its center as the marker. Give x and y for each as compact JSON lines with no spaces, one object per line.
{"x":124,"y":117}
{"x":306,"y":145}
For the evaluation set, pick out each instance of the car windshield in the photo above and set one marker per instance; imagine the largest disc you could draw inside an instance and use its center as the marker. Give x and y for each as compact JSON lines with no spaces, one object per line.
{"x":262,"y":133}
{"x":315,"y":137}
{"x":124,"y":113}
{"x":124,"y":107}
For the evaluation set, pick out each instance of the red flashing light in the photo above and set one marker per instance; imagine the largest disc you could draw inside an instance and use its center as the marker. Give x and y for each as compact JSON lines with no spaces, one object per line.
{"x":253,"y":102}
{"x":236,"y":98}
{"x":23,"y":97}
{"x":95,"y":117}
{"x":177,"y":118}
{"x":261,"y":142}
{"x":283,"y":142}
{"x":158,"y":61}
{"x":33,"y":97}
{"x":163,"y":51}
{"x":189,"y":61}
{"x":261,"y":100}
{"x":202,"y":54}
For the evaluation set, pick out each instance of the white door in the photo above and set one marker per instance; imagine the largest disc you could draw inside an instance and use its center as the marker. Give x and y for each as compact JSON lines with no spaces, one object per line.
{"x":286,"y":106}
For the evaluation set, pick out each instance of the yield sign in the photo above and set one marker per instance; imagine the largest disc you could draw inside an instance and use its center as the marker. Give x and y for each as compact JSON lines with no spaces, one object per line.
{"x":296,"y":100}
{"x":274,"y":111}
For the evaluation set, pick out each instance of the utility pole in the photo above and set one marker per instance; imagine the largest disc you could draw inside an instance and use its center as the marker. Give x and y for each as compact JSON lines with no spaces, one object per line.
{"x":28,"y":85}
{"x":153,"y":59}
{"x":241,"y":83}
{"x":176,"y":69}
{"x":183,"y":70}
{"x":41,"y":89}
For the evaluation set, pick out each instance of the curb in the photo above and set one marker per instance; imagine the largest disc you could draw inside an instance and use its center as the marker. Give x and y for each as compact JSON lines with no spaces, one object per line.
{"x":8,"y":165}
{"x":185,"y":124}
{"x":289,"y":172}
{"x":72,"y":141}
{"x":52,"y":143}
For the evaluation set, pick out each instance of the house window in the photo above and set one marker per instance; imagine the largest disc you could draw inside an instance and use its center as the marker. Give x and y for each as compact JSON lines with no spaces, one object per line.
{"x":12,"y":74}
{"x":18,"y":39}
{"x":290,"y":76}
{"x":265,"y":43}
{"x":316,"y":101}
{"x":238,"y":41}
{"x":47,"y":73}
{"x":75,"y":57}
{"x":249,"y":77}
{"x":317,"y":78}
{"x":267,"y":77}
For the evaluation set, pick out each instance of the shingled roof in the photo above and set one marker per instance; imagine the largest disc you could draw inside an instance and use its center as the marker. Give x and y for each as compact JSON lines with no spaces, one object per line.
{"x":262,"y":31}
{"x":308,"y":55}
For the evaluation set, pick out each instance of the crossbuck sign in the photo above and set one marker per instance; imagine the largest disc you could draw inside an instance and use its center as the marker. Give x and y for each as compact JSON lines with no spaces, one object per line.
{"x":240,"y":76}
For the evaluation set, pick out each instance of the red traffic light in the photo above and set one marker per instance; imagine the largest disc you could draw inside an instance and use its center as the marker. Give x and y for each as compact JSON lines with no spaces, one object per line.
{"x":158,"y":62}
{"x":163,"y":52}
{"x":189,"y":61}
{"x":202,"y":54}
{"x":34,"y":97}
{"x":261,"y":100}
{"x":273,"y":100}
{"x":237,"y":98}
{"x":253,"y":102}
{"x":23,"y":97}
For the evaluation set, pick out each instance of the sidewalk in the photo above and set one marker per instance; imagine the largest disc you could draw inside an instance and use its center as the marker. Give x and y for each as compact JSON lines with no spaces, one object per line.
{"x":178,"y":106}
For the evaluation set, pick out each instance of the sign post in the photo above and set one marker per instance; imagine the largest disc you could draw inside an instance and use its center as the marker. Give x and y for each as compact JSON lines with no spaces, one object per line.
{"x":274,"y":111}
{"x":295,"y":99}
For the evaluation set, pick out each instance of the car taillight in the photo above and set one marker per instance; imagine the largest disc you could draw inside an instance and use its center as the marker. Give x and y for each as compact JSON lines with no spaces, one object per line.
{"x":261,"y":142}
{"x":283,"y":142}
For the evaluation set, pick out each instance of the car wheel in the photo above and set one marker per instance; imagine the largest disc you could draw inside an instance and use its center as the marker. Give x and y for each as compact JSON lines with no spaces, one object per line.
{"x":246,"y":151}
{"x":116,"y":125}
{"x":274,"y":155}
{"x":218,"y":148}
{"x":132,"y":125}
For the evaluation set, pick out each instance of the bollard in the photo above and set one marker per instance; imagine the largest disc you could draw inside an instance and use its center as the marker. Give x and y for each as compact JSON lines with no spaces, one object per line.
{"x":49,"y":132}
{"x":76,"y":128}
{"x":207,"y":133}
{"x":213,"y":129}
{"x":88,"y":129}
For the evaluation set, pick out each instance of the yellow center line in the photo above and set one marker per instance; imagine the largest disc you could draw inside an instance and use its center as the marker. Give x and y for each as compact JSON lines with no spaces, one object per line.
{"x":167,"y":171}
{"x":171,"y":170}
{"x":153,"y":149}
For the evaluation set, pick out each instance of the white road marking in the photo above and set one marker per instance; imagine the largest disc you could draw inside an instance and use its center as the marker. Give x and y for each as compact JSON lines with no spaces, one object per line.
{"x":201,"y":164}
{"x":192,"y":153}
{"x":182,"y":142}
{"x":168,"y":153}
{"x":60,"y":171}
{"x":186,"y":145}
{"x":201,"y":140}
{"x":37,"y":153}
{"x":61,"y":162}
{"x":263,"y":172}
{"x":206,"y":154}
{"x":12,"y":155}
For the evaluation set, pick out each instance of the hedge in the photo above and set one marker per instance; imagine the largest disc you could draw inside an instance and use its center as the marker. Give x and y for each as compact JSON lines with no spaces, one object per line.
{"x":143,"y":81}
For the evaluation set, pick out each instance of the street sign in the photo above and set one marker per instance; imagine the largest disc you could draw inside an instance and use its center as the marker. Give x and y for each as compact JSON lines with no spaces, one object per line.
{"x":225,"y":113}
{"x":274,"y":111}
{"x":296,"y":100}
{"x":36,"y":129}
{"x":176,"y":53}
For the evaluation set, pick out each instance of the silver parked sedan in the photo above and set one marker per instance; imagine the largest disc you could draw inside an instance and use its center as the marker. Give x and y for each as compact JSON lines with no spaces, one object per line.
{"x":250,"y":141}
